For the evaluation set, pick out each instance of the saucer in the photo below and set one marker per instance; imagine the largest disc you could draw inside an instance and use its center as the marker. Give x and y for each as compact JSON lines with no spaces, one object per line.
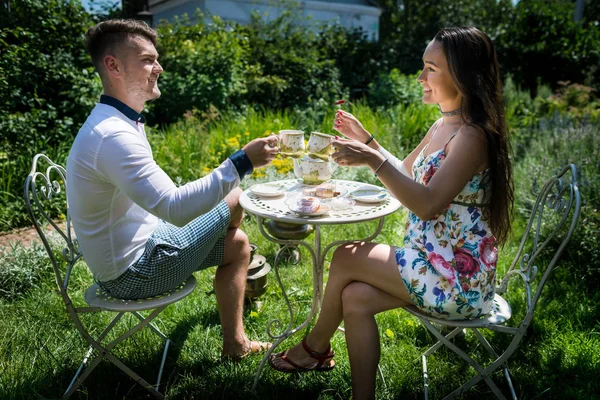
{"x":322,"y":210}
{"x":369,"y":195}
{"x":268,"y":189}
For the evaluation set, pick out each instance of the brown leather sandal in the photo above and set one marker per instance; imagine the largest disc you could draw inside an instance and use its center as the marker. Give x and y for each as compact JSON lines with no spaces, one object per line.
{"x":320,"y":357}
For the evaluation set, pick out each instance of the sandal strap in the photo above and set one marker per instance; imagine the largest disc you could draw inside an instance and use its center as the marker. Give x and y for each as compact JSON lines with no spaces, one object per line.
{"x":320,"y":357}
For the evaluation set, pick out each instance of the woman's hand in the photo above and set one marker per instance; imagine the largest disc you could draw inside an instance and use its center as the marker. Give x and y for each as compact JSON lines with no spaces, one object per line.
{"x":353,"y":153}
{"x":347,"y":124}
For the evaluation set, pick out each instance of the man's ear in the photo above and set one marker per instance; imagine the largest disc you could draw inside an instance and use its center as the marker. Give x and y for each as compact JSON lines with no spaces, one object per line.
{"x":113,"y":66}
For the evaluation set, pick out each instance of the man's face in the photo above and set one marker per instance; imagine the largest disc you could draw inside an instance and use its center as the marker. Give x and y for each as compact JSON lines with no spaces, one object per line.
{"x":141,"y":70}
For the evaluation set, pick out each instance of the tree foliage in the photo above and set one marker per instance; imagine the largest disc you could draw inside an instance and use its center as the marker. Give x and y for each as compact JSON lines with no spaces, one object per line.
{"x":47,"y":81}
{"x":541,"y":42}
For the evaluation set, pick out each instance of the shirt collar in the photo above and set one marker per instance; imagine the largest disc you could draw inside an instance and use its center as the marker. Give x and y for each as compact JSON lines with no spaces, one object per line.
{"x":124,"y":108}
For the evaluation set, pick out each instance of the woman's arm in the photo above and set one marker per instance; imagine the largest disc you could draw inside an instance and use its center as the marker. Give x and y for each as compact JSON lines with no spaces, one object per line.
{"x":466,"y":154}
{"x":349,"y":126}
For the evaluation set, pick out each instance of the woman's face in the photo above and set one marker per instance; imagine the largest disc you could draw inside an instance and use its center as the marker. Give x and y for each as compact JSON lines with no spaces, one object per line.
{"x":438,"y":86}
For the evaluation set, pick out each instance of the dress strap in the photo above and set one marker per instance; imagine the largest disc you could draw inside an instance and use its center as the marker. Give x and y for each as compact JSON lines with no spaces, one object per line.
{"x":436,"y":128}
{"x":452,"y":137}
{"x":438,"y":123}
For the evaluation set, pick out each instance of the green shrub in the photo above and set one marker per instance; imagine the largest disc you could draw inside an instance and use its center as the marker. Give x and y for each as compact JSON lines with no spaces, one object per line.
{"x":540,"y":41}
{"x":358,"y":59}
{"x":390,"y":89}
{"x":292,"y":68}
{"x":204,"y":65}
{"x":576,"y":99}
{"x":47,"y":83}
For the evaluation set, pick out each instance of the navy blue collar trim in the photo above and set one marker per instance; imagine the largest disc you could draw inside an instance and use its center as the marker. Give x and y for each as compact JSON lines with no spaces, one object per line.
{"x":124,"y":108}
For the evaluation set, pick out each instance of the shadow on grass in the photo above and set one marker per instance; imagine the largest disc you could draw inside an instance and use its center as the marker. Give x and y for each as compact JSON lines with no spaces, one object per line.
{"x":107,"y":381}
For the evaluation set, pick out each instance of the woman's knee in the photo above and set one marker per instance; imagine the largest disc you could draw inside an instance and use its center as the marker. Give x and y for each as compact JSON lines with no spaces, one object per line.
{"x":342,"y":259}
{"x":356,"y":297}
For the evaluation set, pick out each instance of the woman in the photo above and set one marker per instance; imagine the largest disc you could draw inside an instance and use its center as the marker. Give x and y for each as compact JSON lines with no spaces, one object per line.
{"x":457,"y":185}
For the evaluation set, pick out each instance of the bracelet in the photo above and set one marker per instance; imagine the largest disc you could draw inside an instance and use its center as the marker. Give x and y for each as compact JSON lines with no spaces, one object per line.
{"x":369,"y":140}
{"x":380,"y":165}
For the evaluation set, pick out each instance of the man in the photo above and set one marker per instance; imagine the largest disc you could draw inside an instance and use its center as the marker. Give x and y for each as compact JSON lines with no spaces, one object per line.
{"x":139,"y":233}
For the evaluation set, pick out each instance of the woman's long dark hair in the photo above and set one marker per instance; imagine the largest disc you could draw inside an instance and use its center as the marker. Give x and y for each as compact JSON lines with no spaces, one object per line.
{"x":474,"y":68}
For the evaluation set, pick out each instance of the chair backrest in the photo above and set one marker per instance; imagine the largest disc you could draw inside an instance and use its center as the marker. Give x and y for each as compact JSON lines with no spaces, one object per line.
{"x":44,"y":191}
{"x":552,"y":221}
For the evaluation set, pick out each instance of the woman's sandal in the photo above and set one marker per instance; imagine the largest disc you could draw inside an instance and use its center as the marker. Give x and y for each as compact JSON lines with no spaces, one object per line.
{"x":320,"y":357}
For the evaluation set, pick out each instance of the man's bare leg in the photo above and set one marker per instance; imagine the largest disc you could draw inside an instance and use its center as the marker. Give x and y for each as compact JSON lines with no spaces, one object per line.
{"x":230,"y":283}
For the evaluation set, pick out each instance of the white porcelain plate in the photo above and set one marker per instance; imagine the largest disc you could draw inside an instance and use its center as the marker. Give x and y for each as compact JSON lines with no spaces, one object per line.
{"x":322,"y":210}
{"x":370,"y":195}
{"x":268,"y":189}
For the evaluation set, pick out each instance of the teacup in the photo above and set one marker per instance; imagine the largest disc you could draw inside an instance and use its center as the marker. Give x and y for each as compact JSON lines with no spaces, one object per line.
{"x":291,"y":143}
{"x":319,"y":145}
{"x":314,"y":171}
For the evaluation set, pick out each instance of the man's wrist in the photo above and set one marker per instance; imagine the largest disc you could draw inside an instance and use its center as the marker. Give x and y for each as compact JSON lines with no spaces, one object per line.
{"x":242,"y":163}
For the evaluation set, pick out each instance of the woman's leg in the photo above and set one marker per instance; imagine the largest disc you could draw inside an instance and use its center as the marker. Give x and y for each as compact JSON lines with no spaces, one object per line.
{"x":361,"y":302}
{"x":374,"y":264}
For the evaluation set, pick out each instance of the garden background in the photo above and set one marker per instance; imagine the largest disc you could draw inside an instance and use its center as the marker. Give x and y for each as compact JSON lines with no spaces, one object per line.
{"x":226,"y":84}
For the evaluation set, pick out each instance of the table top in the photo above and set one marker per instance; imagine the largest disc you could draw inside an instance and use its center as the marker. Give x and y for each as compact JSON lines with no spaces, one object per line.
{"x":277,"y":209}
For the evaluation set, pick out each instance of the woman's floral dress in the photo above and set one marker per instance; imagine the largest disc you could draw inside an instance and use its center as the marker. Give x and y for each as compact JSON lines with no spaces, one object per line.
{"x":448,"y":263}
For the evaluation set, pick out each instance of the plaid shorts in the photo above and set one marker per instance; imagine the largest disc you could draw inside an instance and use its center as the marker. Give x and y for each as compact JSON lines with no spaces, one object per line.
{"x":172,"y":254}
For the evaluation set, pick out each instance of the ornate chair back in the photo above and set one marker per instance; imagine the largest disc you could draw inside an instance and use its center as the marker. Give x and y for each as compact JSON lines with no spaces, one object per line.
{"x":45,"y":190}
{"x":552,"y":221}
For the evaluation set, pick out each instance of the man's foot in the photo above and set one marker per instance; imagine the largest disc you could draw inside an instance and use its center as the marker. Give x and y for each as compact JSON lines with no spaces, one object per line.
{"x":304,"y":359}
{"x":251,"y":347}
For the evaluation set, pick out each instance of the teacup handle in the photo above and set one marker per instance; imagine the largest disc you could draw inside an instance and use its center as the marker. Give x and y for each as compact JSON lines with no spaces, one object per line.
{"x":335,"y":165}
{"x":278,"y":137}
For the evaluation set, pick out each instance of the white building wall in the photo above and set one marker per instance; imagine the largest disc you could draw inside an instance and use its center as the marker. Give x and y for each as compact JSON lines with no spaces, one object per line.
{"x":349,"y":15}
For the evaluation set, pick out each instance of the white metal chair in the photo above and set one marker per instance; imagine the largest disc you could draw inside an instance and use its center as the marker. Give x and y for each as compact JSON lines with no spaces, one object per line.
{"x":560,"y":197}
{"x":40,"y":190}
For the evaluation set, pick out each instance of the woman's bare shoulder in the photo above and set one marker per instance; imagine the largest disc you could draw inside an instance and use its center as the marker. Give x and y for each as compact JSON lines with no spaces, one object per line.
{"x":472,"y":134}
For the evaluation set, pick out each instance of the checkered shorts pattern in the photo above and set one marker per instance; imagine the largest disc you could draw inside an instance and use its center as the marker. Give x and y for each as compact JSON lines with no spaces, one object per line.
{"x":172,"y":254}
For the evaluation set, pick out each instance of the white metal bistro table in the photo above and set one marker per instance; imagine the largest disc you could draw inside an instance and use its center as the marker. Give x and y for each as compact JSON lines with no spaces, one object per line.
{"x":276,"y":208}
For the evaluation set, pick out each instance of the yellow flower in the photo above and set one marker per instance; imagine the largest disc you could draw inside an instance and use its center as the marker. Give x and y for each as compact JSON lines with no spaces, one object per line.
{"x":284,"y":165}
{"x":233,"y":142}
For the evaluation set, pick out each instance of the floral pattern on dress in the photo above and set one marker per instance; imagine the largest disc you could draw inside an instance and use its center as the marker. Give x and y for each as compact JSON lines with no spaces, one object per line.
{"x":448,"y":263}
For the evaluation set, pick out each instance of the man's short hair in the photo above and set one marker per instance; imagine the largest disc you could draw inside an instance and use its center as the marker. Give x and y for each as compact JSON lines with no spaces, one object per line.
{"x":106,"y":36}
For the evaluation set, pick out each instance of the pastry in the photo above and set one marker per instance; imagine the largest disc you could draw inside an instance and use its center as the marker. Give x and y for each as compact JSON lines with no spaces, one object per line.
{"x":325,"y":190}
{"x":307,"y":204}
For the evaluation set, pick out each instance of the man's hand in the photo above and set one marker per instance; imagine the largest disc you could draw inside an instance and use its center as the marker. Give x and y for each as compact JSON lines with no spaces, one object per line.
{"x":261,"y":151}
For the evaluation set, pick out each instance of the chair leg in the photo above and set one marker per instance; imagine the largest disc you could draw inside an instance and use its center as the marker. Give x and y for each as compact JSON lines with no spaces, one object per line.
{"x":77,"y":381}
{"x":165,"y":351}
{"x":380,"y":373}
{"x":425,"y":376}
{"x":493,"y":353}
{"x":481,"y":373}
{"x":152,"y":326}
{"x":105,"y":352}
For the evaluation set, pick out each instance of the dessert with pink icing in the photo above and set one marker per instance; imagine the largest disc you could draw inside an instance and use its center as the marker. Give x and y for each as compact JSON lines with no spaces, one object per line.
{"x":307,"y":204}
